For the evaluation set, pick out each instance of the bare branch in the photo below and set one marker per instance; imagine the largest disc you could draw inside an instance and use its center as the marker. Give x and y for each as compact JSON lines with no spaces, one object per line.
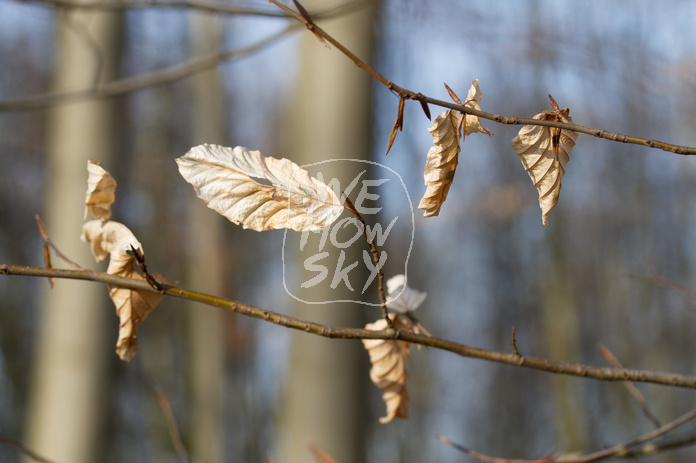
{"x":411,"y":95}
{"x":166,"y":407}
{"x":552,"y":366}
{"x":632,"y":389}
{"x":194,"y":5}
{"x":130,"y":84}
{"x":23,"y":449}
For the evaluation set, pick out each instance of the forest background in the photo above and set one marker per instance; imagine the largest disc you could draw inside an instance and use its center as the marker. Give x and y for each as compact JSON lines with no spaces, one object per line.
{"x":486,"y":262}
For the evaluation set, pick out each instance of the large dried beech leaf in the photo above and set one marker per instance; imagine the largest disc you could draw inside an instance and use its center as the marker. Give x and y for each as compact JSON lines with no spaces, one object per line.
{"x":441,"y":162}
{"x":389,"y":370}
{"x":534,"y":146}
{"x":223,"y":179}
{"x":101,"y":188}
{"x":115,"y":240}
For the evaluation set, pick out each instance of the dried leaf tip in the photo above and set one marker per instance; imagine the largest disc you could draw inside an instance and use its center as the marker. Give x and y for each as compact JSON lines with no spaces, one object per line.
{"x":222,"y":178}
{"x":101,"y":190}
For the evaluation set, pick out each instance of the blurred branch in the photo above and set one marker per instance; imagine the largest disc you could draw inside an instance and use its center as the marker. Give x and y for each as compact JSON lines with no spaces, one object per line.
{"x":633,"y":448}
{"x":404,"y":93}
{"x":632,"y":389}
{"x":552,"y":366}
{"x":23,"y":449}
{"x":200,"y":6}
{"x":166,"y":407}
{"x":130,"y":84}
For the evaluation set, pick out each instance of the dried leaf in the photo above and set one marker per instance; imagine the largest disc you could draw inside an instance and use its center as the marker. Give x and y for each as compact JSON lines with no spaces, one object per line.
{"x":443,"y":156}
{"x":101,"y":188}
{"x":389,"y":370}
{"x":441,"y":162}
{"x":545,"y":165}
{"x":114,"y":240}
{"x":222,"y":178}
{"x":401,"y":297}
{"x":473,"y":99}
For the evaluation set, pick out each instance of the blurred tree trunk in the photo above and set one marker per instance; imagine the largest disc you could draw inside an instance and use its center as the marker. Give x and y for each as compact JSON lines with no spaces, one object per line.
{"x":64,"y":412}
{"x":323,"y":400}
{"x":205,"y":262}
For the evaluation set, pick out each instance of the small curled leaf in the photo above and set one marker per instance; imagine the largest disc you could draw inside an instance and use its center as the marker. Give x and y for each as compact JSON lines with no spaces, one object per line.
{"x":101,"y":188}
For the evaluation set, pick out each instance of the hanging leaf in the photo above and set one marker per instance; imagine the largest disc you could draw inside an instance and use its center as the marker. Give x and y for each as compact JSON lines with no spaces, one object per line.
{"x":443,"y":157}
{"x":114,"y":240}
{"x":544,"y":153}
{"x":222,"y":177}
{"x":441,"y":162}
{"x":389,"y":370}
{"x":101,"y":188}
{"x":473,"y":99}
{"x":401,"y":297}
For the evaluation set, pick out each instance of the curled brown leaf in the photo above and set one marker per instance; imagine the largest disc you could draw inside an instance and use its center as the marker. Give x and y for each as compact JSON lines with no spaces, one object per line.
{"x":544,"y":154}
{"x":101,"y":188}
{"x":389,"y":372}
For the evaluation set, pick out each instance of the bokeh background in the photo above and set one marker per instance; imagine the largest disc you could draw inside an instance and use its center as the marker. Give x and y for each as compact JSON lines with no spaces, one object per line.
{"x":243,"y":390}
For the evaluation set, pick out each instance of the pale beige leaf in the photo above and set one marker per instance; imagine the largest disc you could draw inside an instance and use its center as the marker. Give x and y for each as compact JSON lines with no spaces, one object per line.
{"x":115,"y":240}
{"x":389,"y":370}
{"x":401,"y":297}
{"x":533,"y":144}
{"x":101,"y":188}
{"x":222,"y":178}
{"x":441,"y":162}
{"x":132,"y":306}
{"x":473,"y":99}
{"x":111,"y":239}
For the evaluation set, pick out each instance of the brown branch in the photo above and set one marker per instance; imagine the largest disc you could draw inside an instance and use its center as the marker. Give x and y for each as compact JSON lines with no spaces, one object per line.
{"x":23,"y":449}
{"x":411,"y":95}
{"x":48,"y":243}
{"x":632,"y":448}
{"x":131,"y":84}
{"x":194,"y":5}
{"x":552,"y":366}
{"x":174,"y":434}
{"x":632,"y":389}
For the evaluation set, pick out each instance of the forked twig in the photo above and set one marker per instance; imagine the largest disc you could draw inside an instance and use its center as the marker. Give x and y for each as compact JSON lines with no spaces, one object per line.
{"x":140,"y":259}
{"x":632,"y":448}
{"x":48,"y":243}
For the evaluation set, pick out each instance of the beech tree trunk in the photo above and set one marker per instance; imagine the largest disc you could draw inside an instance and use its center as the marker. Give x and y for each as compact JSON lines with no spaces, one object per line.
{"x":322,"y":400}
{"x":72,"y":342}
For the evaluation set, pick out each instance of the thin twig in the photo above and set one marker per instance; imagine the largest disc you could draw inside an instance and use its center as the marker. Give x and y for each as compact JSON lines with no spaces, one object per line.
{"x":411,"y":95}
{"x":513,"y":341}
{"x":483,"y":457}
{"x":166,"y":407}
{"x":553,"y":366}
{"x":622,"y":450}
{"x":375,"y":259}
{"x":23,"y":449}
{"x":140,"y":259}
{"x":193,"y":5}
{"x":48,"y":243}
{"x":632,"y":389}
{"x":131,"y":84}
